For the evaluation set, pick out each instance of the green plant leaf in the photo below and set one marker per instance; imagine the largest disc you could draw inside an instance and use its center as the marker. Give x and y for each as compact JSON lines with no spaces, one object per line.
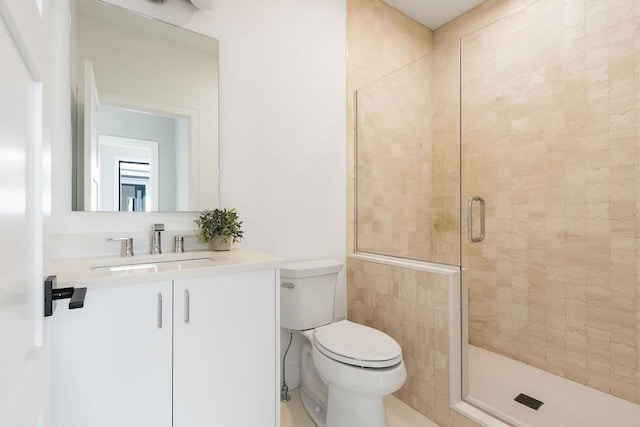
{"x":219,"y":222}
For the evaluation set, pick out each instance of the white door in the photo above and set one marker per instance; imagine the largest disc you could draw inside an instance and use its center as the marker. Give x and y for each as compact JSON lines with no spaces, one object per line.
{"x":24,"y":357}
{"x":225,"y":369}
{"x":114,"y":149}
{"x":112,"y":359}
{"x":91,"y":140}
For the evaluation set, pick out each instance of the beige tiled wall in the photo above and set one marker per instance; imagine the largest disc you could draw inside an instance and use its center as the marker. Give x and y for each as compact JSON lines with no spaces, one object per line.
{"x":394,"y":165}
{"x":381,"y":40}
{"x":444,"y":218}
{"x":407,"y":139}
{"x":550,"y":118}
{"x":412,"y":307}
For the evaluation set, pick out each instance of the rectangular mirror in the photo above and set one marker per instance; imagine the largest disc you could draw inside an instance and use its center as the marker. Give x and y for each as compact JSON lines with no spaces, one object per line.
{"x":145,"y":113}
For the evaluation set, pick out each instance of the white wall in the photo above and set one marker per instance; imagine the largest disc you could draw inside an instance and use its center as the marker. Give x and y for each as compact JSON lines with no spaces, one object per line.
{"x":282,"y":129}
{"x":282,"y":123}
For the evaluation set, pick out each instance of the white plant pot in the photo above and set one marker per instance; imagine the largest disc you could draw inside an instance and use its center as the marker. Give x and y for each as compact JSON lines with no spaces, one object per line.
{"x":220,"y":243}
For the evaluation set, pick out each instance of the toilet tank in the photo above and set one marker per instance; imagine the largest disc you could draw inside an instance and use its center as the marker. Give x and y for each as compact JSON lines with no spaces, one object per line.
{"x":307,"y":292}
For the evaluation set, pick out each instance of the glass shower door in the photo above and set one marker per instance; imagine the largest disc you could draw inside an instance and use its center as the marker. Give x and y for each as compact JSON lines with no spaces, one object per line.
{"x":549,"y":168}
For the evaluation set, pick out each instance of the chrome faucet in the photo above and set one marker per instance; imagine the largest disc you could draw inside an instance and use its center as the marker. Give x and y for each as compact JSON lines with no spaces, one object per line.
{"x":156,"y":242}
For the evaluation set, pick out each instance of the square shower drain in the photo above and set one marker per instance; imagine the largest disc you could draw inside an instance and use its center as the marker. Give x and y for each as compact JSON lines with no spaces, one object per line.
{"x":529,"y":401}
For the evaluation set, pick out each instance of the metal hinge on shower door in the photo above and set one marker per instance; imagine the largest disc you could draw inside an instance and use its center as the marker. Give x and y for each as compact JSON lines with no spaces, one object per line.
{"x":470,"y":203}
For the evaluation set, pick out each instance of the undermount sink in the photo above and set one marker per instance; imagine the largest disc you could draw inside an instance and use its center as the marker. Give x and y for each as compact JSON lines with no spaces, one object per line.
{"x":161,"y":262}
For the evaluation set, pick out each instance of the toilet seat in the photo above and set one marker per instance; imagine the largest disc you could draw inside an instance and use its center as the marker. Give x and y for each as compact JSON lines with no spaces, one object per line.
{"x":357,"y":345}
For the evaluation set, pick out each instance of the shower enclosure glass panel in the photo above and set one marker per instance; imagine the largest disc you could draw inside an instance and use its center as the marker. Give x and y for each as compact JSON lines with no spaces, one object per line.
{"x":550,"y":126}
{"x":408,"y":149}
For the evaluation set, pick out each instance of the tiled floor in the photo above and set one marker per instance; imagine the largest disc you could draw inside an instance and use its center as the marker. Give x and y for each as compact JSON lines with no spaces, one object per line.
{"x":400,"y":414}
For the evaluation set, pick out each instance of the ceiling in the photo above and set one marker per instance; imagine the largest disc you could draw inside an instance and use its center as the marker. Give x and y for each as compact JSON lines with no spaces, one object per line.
{"x":433,"y":13}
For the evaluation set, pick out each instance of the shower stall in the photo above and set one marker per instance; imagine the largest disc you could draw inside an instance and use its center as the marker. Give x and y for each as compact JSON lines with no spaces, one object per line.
{"x":514,"y":154}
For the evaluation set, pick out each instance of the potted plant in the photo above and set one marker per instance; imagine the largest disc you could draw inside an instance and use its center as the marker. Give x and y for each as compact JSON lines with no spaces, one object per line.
{"x":219,"y":227}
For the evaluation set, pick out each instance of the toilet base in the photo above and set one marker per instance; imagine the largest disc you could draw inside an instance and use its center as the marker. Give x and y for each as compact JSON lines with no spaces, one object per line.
{"x":358,"y":400}
{"x":346,"y":409}
{"x":315,"y":409}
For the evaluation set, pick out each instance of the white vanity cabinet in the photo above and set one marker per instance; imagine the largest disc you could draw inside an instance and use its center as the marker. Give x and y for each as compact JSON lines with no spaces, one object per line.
{"x":195,"y":350}
{"x":224,"y":371}
{"x":112,"y":359}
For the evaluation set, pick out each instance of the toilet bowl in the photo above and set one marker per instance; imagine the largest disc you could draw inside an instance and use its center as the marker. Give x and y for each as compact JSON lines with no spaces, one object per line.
{"x":361,"y":365}
{"x":347,"y":368}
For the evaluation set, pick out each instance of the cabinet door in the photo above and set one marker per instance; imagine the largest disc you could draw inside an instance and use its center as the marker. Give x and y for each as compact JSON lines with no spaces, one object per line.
{"x":225,"y":370}
{"x":112,"y":358}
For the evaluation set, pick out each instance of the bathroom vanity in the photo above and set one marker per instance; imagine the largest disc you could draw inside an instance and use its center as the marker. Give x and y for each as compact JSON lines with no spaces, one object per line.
{"x":182,"y":340}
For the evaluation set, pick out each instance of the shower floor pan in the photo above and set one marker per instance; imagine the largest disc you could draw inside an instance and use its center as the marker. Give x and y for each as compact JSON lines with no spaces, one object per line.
{"x":495,"y":380}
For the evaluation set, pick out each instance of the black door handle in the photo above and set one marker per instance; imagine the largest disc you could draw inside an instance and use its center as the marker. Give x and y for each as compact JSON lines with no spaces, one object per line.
{"x":77,"y":298}
{"x":51,"y":294}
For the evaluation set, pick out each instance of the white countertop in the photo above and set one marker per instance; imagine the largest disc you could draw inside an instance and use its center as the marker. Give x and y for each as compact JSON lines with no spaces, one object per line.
{"x":118,"y":271}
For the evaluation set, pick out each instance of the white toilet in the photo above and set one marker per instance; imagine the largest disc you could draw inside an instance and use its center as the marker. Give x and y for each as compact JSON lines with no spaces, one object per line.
{"x":347,"y":368}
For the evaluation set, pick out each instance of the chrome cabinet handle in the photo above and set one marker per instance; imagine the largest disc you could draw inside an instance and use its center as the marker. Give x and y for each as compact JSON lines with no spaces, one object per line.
{"x":186,"y":306}
{"x":159,"y":310}
{"x":470,"y":219}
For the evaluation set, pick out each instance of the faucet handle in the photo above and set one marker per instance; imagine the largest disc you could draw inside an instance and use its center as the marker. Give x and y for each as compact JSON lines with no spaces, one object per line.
{"x":178,"y":244}
{"x":126,"y":248}
{"x":158,"y":227}
{"x":178,"y":241}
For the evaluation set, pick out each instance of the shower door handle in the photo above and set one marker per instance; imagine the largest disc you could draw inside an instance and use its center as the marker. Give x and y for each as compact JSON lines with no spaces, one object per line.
{"x":470,"y":236}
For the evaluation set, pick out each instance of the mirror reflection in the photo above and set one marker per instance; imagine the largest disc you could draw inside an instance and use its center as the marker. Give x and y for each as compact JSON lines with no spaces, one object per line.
{"x":145,"y":112}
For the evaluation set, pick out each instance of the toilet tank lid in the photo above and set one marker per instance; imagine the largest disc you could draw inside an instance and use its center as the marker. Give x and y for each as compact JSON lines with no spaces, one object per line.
{"x":310,"y":268}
